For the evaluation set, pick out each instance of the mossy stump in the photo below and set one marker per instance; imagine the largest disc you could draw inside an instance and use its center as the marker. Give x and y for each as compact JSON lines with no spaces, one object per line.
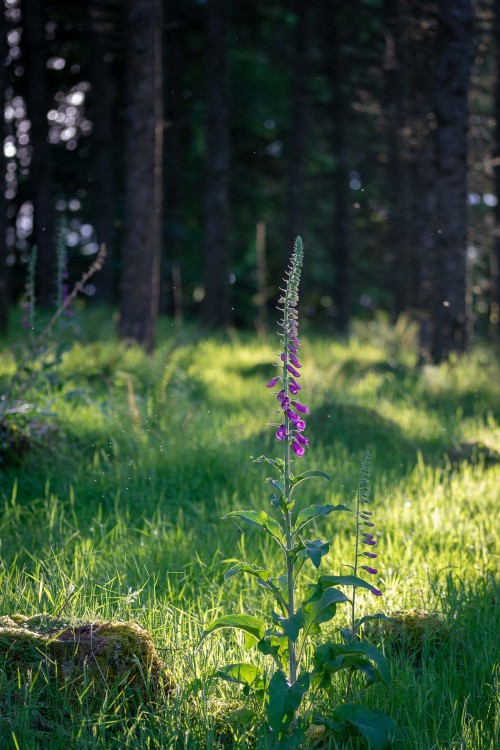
{"x":106,"y":653}
{"x":411,"y":631}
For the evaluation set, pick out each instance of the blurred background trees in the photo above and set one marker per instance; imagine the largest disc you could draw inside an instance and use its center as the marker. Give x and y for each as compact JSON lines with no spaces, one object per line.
{"x":197,"y":138}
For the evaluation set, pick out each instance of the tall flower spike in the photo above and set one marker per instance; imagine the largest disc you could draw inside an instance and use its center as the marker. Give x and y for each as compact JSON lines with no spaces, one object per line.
{"x":363,"y":515}
{"x":289,"y":323}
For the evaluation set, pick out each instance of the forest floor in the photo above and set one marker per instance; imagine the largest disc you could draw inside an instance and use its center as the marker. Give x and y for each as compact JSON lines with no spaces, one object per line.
{"x":114,"y":512}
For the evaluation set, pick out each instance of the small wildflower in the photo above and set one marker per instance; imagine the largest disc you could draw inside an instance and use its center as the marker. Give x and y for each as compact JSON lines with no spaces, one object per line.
{"x":303,"y":441}
{"x":298,"y":449}
{"x":272,"y":382}
{"x":281,"y":395}
{"x":295,"y":361}
{"x":292,"y":416}
{"x":376,"y":592}
{"x":281,"y":434}
{"x":300,"y":425}
{"x":293,"y":387}
{"x":373,"y":571}
{"x":369,"y":554}
{"x":293,"y":371}
{"x":301,"y":407}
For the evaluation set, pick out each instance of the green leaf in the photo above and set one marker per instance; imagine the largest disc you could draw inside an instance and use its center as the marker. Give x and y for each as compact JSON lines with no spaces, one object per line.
{"x":284,"y":699}
{"x":242,"y":674}
{"x":291,"y":625}
{"x":314,"y":511}
{"x":275,"y":645}
{"x":345,"y":581}
{"x":296,"y":692}
{"x":377,"y":728}
{"x":258,"y":518}
{"x":332,"y":657}
{"x":275,"y":708}
{"x":243,"y":567}
{"x":251,"y":625}
{"x":315,"y":550}
{"x":317,"y":611}
{"x":372,"y":652}
{"x":309,"y":475}
{"x":276,"y":484}
{"x":278,"y":463}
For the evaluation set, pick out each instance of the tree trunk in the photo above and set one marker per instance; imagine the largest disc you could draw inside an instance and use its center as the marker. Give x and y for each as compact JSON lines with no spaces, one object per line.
{"x":495,"y":292}
{"x":4,"y":278}
{"x":396,"y":66}
{"x":216,"y":304}
{"x":171,"y":293}
{"x":101,"y":114}
{"x":143,"y":189}
{"x":450,"y":317}
{"x":340,"y":241}
{"x":297,"y":153}
{"x":34,"y":60}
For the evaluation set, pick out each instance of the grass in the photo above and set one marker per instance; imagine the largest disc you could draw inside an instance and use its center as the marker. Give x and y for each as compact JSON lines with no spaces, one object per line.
{"x":116,"y":513}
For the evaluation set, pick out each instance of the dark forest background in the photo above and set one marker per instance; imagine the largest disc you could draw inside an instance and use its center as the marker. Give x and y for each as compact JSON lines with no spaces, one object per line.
{"x":196,"y":139}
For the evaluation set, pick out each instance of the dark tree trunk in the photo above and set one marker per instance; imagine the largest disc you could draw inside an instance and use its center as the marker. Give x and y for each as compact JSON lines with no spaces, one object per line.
{"x":340,"y":241}
{"x":216,"y":304}
{"x":297,"y":154}
{"x":144,"y":158}
{"x":171,"y":293}
{"x":101,"y":112}
{"x":396,"y":66}
{"x":450,"y":316}
{"x":34,"y":60}
{"x":495,"y":295}
{"x":4,"y":278}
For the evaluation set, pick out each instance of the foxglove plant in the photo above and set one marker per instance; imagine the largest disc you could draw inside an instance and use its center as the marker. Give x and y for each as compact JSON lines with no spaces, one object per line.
{"x":285,"y":637}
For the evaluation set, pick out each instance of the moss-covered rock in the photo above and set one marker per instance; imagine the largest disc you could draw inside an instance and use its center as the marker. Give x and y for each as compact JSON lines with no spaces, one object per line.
{"x":106,"y":653}
{"x":410,"y":632}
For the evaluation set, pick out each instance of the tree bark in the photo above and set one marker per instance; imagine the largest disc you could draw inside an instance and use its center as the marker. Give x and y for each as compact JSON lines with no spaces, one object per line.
{"x":35,"y":60}
{"x":101,"y":112}
{"x":495,"y":292}
{"x":450,"y":316}
{"x":297,"y":154}
{"x":143,"y":189}
{"x":4,"y":277}
{"x":396,"y":104}
{"x":340,"y":241}
{"x":216,"y":303}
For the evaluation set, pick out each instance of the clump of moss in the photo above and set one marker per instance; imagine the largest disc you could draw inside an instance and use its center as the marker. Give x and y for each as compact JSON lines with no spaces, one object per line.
{"x":106,"y":653}
{"x":411,"y":632}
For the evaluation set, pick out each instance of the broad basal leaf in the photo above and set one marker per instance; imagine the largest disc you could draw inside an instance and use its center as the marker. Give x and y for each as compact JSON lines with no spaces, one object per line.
{"x":377,"y":728}
{"x":284,"y":699}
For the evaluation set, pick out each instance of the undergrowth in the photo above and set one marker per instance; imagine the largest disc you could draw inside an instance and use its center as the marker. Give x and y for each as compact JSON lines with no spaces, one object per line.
{"x":115,"y":514}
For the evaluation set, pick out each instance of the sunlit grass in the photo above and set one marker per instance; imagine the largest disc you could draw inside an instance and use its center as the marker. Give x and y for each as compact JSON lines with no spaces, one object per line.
{"x":116,"y":513}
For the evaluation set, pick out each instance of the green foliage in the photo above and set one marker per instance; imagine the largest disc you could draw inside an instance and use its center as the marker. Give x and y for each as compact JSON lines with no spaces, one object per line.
{"x":294,"y":624}
{"x":120,"y":519}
